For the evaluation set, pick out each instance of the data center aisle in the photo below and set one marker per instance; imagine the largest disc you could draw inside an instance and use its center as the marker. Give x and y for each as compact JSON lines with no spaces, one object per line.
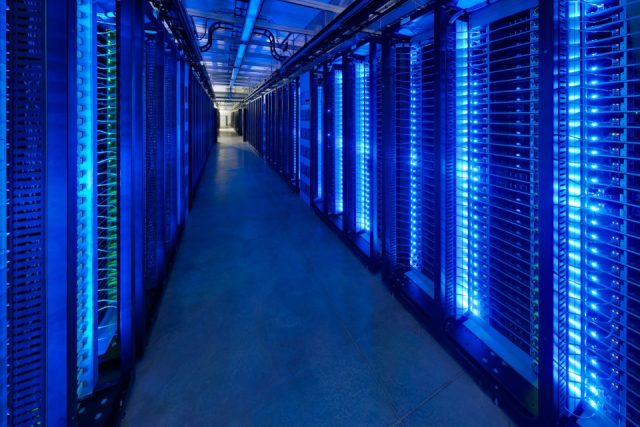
{"x":268,"y":319}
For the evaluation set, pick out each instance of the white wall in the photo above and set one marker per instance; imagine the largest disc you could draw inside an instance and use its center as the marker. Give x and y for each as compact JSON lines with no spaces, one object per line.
{"x":225,"y":119}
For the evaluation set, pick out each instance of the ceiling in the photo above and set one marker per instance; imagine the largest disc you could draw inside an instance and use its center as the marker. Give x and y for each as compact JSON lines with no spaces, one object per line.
{"x":291,"y":23}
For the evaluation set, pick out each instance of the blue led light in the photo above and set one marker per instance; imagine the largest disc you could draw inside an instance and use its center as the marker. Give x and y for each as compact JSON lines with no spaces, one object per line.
{"x":415,"y":214}
{"x":86,"y":220}
{"x":363,"y":151}
{"x":239,"y":56}
{"x":3,"y":213}
{"x":462,"y":169}
{"x":337,"y":132}
{"x":320,"y":122}
{"x":107,"y":185}
{"x":250,"y":19}
{"x":466,"y":4}
{"x":238,"y":62}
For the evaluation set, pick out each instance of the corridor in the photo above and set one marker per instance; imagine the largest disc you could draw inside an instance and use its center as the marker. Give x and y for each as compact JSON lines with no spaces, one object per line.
{"x":268,"y":319}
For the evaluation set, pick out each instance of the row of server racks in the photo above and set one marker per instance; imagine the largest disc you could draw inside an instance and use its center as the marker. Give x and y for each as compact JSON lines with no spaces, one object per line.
{"x":486,"y":157}
{"x":104,"y":132}
{"x":276,"y":139}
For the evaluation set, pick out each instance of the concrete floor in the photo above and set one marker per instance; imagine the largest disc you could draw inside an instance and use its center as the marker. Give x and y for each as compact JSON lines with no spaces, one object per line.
{"x":269,"y":320}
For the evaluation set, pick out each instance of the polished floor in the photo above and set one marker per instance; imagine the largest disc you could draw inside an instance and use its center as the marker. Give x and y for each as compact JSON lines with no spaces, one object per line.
{"x":269,"y":320}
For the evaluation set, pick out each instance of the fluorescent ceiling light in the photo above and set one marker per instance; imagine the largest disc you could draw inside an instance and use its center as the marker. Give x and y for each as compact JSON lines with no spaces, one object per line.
{"x":240,"y":55}
{"x":250,"y":19}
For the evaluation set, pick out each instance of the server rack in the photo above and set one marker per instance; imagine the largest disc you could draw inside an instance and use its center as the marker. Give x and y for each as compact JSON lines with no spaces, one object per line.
{"x":599,"y":208}
{"x":273,"y":119}
{"x":238,"y":119}
{"x":99,"y":363}
{"x":71,"y":170}
{"x":412,"y":215}
{"x":317,"y":137}
{"x":244,"y":124}
{"x":304,"y":134}
{"x":255,"y":124}
{"x":33,"y":349}
{"x":178,"y":137}
{"x":359,"y":150}
{"x":494,"y":291}
{"x":154,"y":130}
{"x":462,"y":186}
{"x":330,"y":144}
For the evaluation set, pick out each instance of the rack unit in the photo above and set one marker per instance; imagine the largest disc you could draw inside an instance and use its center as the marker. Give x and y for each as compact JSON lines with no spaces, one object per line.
{"x":237,"y":118}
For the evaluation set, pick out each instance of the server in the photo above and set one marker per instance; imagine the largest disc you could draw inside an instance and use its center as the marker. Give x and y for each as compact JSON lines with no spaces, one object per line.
{"x":82,"y":164}
{"x":496,"y":142}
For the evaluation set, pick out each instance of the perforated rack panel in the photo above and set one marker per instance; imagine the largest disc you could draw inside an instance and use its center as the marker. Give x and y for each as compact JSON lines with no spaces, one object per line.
{"x":305,"y":137}
{"x":3,"y":202}
{"x":377,"y":122}
{"x":26,"y":150}
{"x":154,"y":159}
{"x":292,"y":130}
{"x":170,"y":148}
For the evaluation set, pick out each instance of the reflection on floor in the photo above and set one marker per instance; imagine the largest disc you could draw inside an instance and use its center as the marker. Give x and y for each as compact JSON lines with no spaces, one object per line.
{"x":268,"y":319}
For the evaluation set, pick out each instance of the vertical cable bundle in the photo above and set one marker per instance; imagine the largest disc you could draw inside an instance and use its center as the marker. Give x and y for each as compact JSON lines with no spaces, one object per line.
{"x":107,"y":184}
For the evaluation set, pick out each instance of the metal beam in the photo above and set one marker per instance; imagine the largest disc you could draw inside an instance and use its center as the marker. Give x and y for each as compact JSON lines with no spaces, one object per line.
{"x":262,"y":24}
{"x":318,"y":5}
{"x":258,"y":41}
{"x":225,"y":64}
{"x":208,"y":54}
